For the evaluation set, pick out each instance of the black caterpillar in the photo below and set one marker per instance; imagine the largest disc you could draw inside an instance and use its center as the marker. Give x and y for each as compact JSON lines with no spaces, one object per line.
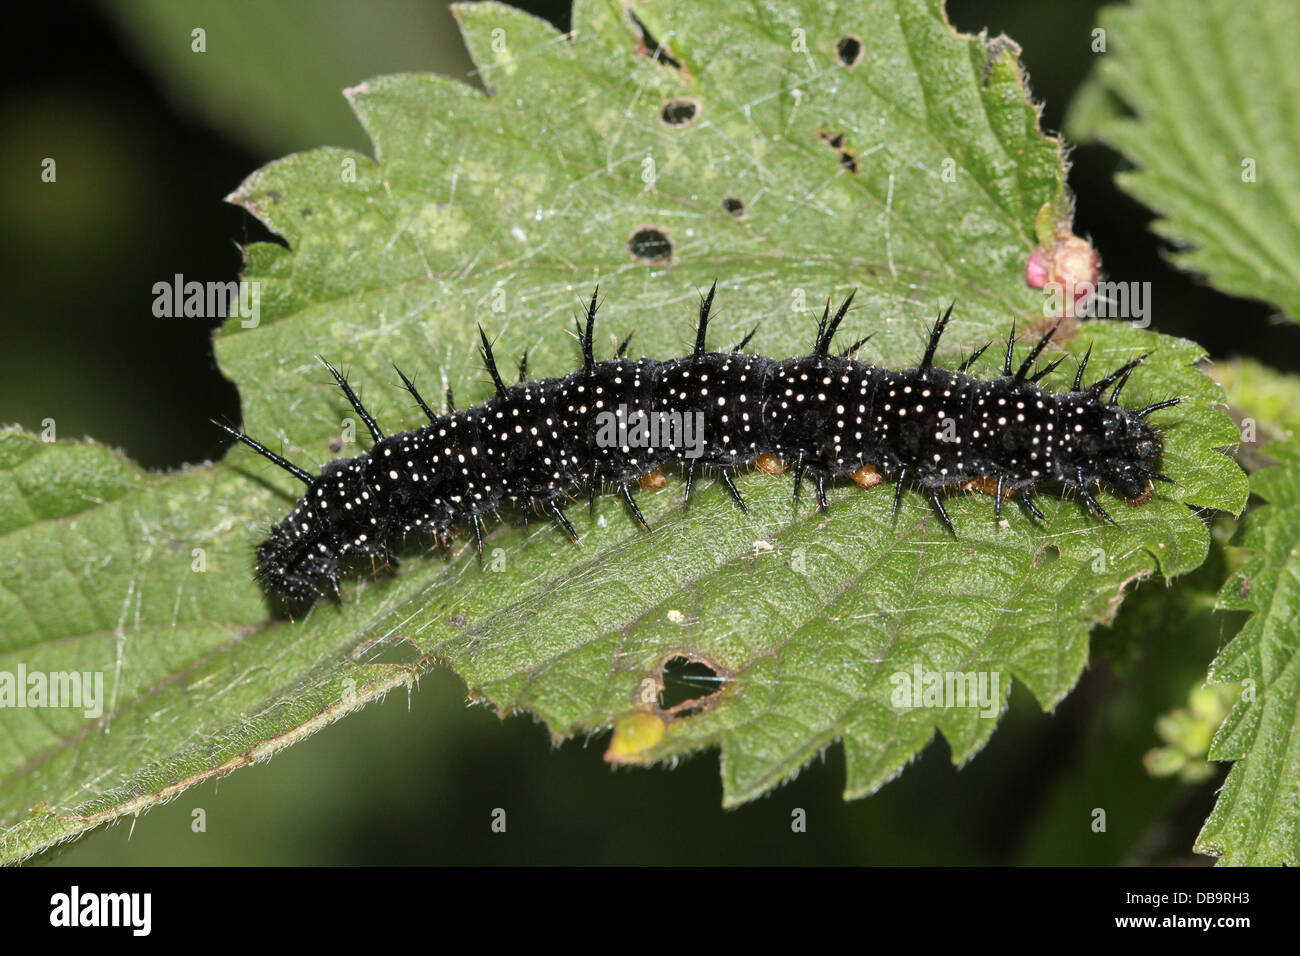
{"x":828,"y":415}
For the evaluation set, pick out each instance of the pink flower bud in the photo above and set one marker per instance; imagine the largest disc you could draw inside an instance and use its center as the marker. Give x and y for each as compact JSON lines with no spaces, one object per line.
{"x":1068,"y":269}
{"x":1036,"y":269}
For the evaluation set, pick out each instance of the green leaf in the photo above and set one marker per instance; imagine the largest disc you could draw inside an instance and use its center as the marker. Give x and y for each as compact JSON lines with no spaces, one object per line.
{"x":1257,"y":818}
{"x":507,"y":210}
{"x":1210,"y":88}
{"x":139,"y":581}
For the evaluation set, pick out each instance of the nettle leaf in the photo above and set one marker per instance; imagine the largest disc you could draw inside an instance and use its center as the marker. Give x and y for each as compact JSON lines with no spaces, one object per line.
{"x":1257,"y":818}
{"x":1199,"y":96}
{"x":1266,"y":401}
{"x":915,"y":174}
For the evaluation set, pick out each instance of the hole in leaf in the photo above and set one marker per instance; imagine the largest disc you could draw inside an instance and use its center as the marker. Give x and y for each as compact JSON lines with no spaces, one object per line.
{"x":734,"y":205}
{"x":648,"y":46}
{"x":650,"y":244}
{"x":1047,"y":555}
{"x":848,"y":49}
{"x":680,"y":112}
{"x":686,"y":682}
{"x":836,"y":141}
{"x":833,"y":140}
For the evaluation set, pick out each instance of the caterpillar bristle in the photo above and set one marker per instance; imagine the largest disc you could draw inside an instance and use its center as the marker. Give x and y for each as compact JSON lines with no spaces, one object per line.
{"x":490,"y":362}
{"x":1168,"y":403}
{"x":1046,"y":370}
{"x":410,"y":387}
{"x":303,"y":476}
{"x":706,"y":303}
{"x":360,"y":409}
{"x":973,"y":357}
{"x":1023,"y":372}
{"x":1083,"y":365}
{"x":940,"y":324}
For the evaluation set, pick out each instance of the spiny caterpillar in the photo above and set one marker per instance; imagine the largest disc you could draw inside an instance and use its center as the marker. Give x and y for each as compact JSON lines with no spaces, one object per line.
{"x":825,"y":415}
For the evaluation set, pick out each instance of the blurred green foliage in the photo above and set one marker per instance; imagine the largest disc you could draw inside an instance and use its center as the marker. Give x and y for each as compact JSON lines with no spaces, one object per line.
{"x":268,"y":75}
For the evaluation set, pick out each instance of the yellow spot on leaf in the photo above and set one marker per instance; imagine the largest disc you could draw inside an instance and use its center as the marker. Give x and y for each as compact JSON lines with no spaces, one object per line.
{"x":634,"y":734}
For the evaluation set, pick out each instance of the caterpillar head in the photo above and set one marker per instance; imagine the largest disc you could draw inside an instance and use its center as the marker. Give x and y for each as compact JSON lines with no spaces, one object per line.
{"x":292,"y":567}
{"x":1119,"y":448}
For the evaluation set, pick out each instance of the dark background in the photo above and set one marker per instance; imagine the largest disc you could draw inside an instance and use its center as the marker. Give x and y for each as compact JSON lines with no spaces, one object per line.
{"x":146,"y":150}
